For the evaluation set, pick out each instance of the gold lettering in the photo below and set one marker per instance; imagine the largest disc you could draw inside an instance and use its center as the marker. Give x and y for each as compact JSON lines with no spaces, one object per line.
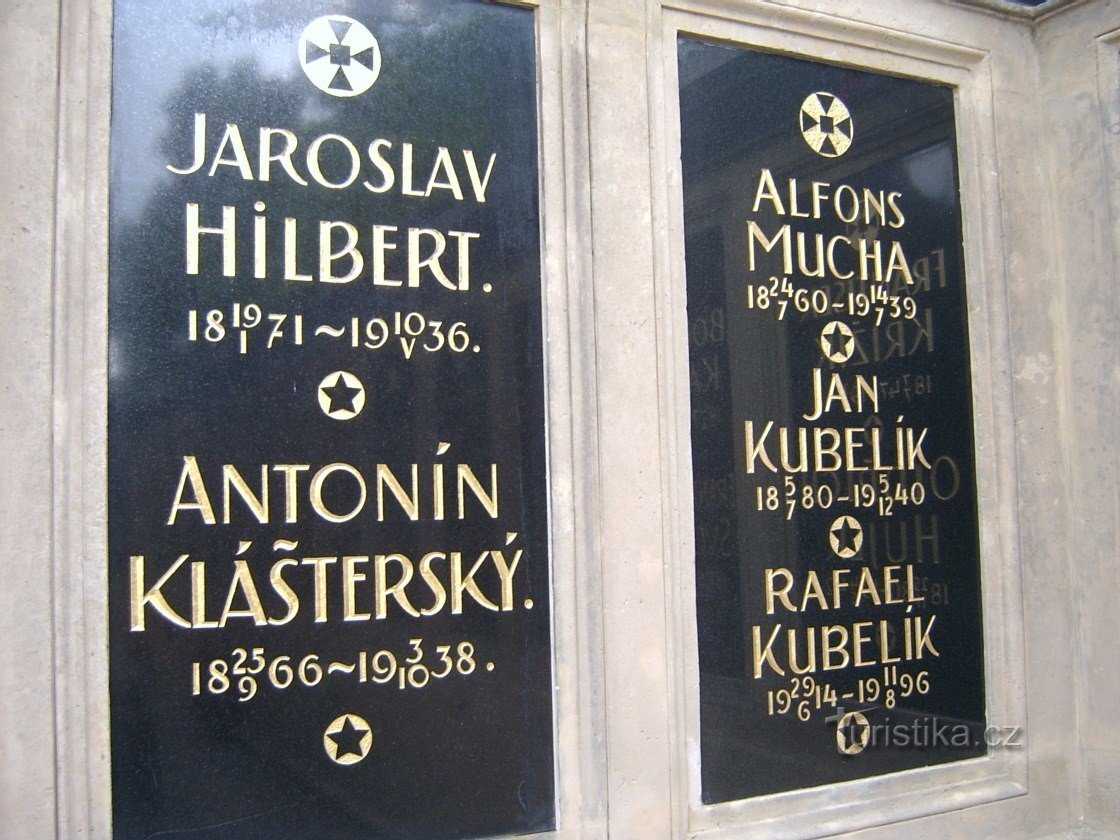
{"x":201,"y":503}
{"x":154,"y":597}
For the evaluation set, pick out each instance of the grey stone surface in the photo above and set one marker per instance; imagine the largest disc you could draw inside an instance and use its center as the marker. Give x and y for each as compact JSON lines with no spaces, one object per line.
{"x":28,"y":65}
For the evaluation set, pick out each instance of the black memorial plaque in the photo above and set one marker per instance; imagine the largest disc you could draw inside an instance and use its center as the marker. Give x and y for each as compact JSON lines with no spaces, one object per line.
{"x":328,"y":572}
{"x":837,"y":547}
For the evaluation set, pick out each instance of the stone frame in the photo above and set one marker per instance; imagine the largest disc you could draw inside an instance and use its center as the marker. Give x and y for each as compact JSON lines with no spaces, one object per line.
{"x":876,"y":800}
{"x":80,"y":370}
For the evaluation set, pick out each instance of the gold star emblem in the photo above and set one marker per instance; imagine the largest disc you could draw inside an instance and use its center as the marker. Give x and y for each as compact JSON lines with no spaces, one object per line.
{"x":348,"y":739}
{"x":852,"y":733}
{"x":846,"y":537}
{"x":837,"y":342}
{"x":341,"y":395}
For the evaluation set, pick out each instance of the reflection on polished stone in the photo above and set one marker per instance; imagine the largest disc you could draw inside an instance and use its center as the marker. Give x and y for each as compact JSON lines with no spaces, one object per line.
{"x":836,"y":536}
